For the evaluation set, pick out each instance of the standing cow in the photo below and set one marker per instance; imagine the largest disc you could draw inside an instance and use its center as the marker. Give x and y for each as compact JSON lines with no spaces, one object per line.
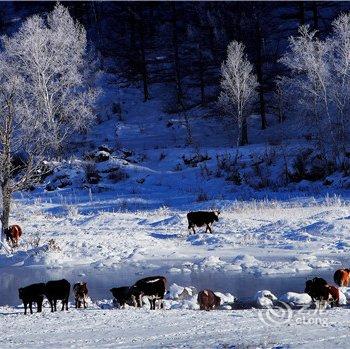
{"x":80,"y":294}
{"x":201,"y":218}
{"x":208,"y":300}
{"x":153,"y":287}
{"x":13,"y":233}
{"x":123,"y":296}
{"x":32,"y":294}
{"x":57,"y":290}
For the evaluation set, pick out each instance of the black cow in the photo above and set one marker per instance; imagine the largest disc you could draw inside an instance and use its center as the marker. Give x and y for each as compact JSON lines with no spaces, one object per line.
{"x":200,"y":218}
{"x":123,"y":295}
{"x":153,"y":287}
{"x":57,"y":290}
{"x":32,"y":293}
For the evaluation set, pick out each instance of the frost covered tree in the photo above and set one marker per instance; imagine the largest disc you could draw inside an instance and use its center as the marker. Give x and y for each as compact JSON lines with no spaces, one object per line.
{"x":238,"y":87}
{"x":320,"y":76}
{"x":307,"y":60}
{"x":340,"y":68}
{"x":43,"y":97}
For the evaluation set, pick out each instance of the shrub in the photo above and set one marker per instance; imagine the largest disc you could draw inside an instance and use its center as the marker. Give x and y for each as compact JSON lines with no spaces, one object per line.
{"x":202,"y":196}
{"x":91,"y":174}
{"x":116,"y":174}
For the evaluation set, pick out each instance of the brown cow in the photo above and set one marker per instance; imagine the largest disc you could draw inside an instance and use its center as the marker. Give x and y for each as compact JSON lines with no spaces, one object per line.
{"x":342,"y":277}
{"x":13,"y":233}
{"x":207,"y":300}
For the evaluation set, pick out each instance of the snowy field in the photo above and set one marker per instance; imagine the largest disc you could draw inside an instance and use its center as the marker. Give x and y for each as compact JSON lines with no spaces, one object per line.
{"x":172,"y":329}
{"x":258,"y":237}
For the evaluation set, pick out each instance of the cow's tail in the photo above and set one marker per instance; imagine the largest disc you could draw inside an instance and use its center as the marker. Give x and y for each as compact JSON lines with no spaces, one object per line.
{"x":165,"y":281}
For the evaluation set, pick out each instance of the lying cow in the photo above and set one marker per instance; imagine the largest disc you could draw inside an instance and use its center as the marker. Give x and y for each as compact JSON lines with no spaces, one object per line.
{"x":32,"y":293}
{"x":342,"y":277}
{"x":201,"y":218}
{"x":124,"y":296}
{"x":13,"y":233}
{"x":57,"y":290}
{"x":80,"y":294}
{"x":208,"y":300}
{"x":153,"y":287}
{"x":319,"y":290}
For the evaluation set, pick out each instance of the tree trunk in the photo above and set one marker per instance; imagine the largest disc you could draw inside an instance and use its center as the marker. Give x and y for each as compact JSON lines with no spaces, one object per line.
{"x":259,"y":73}
{"x":244,"y":136}
{"x":315,"y":14}
{"x":201,"y":75}
{"x":143,"y":62}
{"x":301,"y":12}
{"x":176,"y":56}
{"x":6,"y":207}
{"x":242,"y":131}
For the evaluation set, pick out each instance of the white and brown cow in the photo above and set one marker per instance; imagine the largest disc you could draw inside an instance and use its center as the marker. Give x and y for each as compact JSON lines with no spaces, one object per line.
{"x":201,"y":218}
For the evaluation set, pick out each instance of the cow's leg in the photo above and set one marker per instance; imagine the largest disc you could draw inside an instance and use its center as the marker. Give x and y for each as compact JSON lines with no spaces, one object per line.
{"x":76,"y":303}
{"x":134,"y":301}
{"x":139,"y":301}
{"x":55,"y":304}
{"x":85,"y":303}
{"x":189,"y":228}
{"x":40,"y":305}
{"x":67,"y":303}
{"x":208,"y":227}
{"x":25,"y":308}
{"x":31,"y":307}
{"x":51,"y":305}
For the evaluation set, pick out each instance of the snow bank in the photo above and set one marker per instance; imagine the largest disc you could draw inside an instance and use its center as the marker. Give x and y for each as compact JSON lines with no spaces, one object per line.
{"x":295,"y":299}
{"x":265,"y":299}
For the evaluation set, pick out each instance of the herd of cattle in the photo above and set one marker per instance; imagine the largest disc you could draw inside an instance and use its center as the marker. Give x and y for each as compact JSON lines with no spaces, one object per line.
{"x":154,"y":289}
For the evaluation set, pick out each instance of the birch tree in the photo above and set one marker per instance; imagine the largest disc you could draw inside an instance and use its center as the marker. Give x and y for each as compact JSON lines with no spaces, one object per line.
{"x":43,"y":97}
{"x":238,"y":87}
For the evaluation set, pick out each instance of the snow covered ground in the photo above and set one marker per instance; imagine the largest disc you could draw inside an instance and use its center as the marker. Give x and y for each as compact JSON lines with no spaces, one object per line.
{"x":256,"y":237}
{"x":130,"y":328}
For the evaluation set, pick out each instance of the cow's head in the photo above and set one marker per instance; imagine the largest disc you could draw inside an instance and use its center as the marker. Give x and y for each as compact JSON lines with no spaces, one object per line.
{"x":216,"y":215}
{"x":308,"y":286}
